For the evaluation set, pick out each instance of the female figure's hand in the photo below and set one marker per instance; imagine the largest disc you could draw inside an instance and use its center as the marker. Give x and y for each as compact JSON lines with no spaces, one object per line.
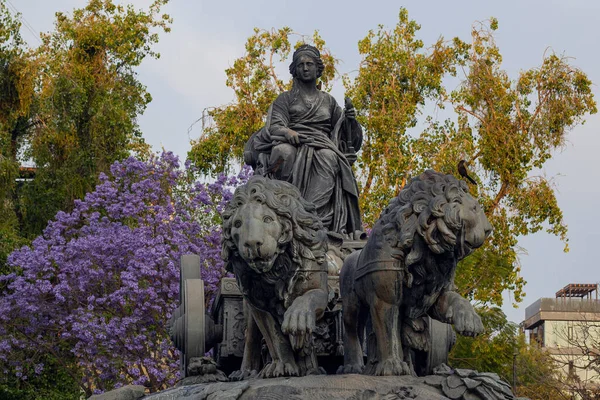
{"x":350,"y":113}
{"x":292,"y":137}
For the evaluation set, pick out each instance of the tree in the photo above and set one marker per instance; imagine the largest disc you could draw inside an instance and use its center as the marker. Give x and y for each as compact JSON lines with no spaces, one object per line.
{"x":70,"y":106}
{"x":395,"y":80}
{"x":16,"y":90}
{"x":87,"y":100}
{"x":504,"y":128}
{"x":94,"y":292}
{"x":503,"y":350}
{"x":16,"y":83}
{"x":256,"y":85}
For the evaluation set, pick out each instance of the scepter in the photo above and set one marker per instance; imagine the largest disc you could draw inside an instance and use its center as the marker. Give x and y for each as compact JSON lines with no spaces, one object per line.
{"x":348,"y":132}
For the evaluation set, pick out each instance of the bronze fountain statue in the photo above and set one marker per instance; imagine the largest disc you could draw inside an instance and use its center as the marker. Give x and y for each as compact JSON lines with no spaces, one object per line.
{"x":393,"y":287}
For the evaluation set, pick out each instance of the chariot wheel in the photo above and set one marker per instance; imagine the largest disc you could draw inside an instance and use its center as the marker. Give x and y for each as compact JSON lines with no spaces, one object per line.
{"x":190,"y":326}
{"x":194,"y":324}
{"x":443,"y":340}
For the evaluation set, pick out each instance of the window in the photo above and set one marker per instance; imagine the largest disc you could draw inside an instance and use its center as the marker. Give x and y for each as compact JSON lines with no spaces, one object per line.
{"x":536,"y":335}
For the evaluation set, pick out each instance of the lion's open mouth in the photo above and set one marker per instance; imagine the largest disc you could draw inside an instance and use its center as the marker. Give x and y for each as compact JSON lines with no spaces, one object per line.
{"x":261,"y":265}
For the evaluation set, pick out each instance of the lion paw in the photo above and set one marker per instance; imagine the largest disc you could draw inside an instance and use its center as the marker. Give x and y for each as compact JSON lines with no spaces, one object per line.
{"x":393,"y":366}
{"x":351,"y":369}
{"x":466,"y":321}
{"x":277,"y":369}
{"x":242,"y":375}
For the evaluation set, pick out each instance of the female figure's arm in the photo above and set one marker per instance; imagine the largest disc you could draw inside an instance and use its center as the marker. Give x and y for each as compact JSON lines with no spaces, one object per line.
{"x":280,"y":121}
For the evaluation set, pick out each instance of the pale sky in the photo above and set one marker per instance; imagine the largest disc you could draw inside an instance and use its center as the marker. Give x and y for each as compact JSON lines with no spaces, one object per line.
{"x":207,"y":36}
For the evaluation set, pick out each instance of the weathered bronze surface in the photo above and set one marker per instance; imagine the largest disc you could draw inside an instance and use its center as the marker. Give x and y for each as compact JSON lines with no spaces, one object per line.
{"x":309,"y":141}
{"x":406,"y":271}
{"x":287,"y":233}
{"x":275,"y":244}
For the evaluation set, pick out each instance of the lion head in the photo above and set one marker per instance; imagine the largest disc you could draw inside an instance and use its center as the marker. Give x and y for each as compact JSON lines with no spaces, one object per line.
{"x":434,"y":211}
{"x":267,"y":218}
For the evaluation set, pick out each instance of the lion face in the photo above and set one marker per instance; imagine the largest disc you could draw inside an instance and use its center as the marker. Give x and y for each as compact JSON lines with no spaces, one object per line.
{"x":267,"y":218}
{"x":257,"y":233}
{"x":435,"y":212}
{"x":476,"y":227}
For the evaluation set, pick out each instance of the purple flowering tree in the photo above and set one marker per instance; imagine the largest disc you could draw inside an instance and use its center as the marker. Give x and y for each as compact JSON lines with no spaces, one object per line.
{"x":95,"y":290}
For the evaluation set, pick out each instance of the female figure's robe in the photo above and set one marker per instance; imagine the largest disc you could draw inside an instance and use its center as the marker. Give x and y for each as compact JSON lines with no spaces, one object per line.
{"x":318,"y":166}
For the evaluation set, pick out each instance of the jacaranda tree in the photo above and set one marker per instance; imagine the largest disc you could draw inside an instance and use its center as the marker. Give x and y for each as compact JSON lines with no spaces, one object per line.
{"x":95,"y":290}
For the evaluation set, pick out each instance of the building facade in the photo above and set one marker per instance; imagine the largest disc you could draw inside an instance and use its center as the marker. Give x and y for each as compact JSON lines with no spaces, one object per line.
{"x":568,"y":327}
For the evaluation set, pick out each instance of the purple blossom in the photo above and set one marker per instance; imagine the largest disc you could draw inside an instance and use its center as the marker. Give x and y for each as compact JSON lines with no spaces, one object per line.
{"x":98,"y":285}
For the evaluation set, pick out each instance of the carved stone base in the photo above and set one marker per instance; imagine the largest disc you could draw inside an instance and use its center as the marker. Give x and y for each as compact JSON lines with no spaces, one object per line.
{"x":447,"y":384}
{"x":334,"y":387}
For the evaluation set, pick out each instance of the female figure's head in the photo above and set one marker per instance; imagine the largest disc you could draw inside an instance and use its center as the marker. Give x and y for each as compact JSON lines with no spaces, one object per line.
{"x":305,"y":57}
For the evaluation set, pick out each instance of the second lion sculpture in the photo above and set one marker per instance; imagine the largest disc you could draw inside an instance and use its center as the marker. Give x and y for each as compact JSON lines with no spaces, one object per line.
{"x":275,"y":244}
{"x":406,"y":271}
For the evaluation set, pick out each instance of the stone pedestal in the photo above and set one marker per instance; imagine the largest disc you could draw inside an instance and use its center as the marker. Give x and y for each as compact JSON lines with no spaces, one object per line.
{"x":446,"y":384}
{"x":319,"y":387}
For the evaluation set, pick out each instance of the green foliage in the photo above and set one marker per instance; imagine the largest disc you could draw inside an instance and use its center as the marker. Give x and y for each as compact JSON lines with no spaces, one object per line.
{"x":52,"y":384}
{"x":255,"y":85}
{"x":87,"y":102}
{"x":501,"y":345}
{"x":491,"y":351}
{"x":396,"y":78}
{"x":15,"y":101}
{"x":505,"y":128}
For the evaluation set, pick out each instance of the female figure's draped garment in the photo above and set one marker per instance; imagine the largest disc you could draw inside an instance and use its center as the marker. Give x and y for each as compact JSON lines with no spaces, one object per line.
{"x":317,"y":166}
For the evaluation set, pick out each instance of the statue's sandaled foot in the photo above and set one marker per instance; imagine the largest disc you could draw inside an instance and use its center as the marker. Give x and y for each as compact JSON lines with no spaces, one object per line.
{"x":351,"y":369}
{"x":278,"y":368}
{"x":393,"y":366}
{"x":243,"y":374}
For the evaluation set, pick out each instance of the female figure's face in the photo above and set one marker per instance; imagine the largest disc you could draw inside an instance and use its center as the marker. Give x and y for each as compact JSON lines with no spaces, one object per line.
{"x":306,"y":69}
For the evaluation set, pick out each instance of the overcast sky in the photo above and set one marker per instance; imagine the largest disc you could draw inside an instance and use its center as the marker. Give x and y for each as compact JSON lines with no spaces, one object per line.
{"x":207,"y":36}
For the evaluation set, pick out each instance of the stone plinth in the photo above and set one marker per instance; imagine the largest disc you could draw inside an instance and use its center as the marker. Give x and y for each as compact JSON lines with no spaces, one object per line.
{"x":319,"y":387}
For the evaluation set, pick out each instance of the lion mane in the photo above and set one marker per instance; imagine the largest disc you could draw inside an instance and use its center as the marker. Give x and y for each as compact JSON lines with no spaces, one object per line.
{"x":409,"y":263}
{"x":308,"y":240}
{"x":425,"y":215}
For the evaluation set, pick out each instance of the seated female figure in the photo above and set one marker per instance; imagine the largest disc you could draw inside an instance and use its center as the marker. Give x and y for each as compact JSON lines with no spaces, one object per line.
{"x":310,"y":141}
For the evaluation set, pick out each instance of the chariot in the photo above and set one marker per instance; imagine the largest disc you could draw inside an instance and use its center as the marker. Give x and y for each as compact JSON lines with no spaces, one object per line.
{"x":220,"y":329}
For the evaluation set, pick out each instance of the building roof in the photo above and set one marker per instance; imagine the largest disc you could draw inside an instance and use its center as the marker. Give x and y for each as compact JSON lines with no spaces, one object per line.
{"x":578,"y":290}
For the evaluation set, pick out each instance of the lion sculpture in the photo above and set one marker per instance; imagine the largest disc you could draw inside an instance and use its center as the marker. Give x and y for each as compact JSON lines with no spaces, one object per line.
{"x":406,"y":271}
{"x":275,"y":244}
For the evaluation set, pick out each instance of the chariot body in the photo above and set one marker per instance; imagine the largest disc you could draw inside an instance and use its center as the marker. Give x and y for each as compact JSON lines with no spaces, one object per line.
{"x":221,"y":329}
